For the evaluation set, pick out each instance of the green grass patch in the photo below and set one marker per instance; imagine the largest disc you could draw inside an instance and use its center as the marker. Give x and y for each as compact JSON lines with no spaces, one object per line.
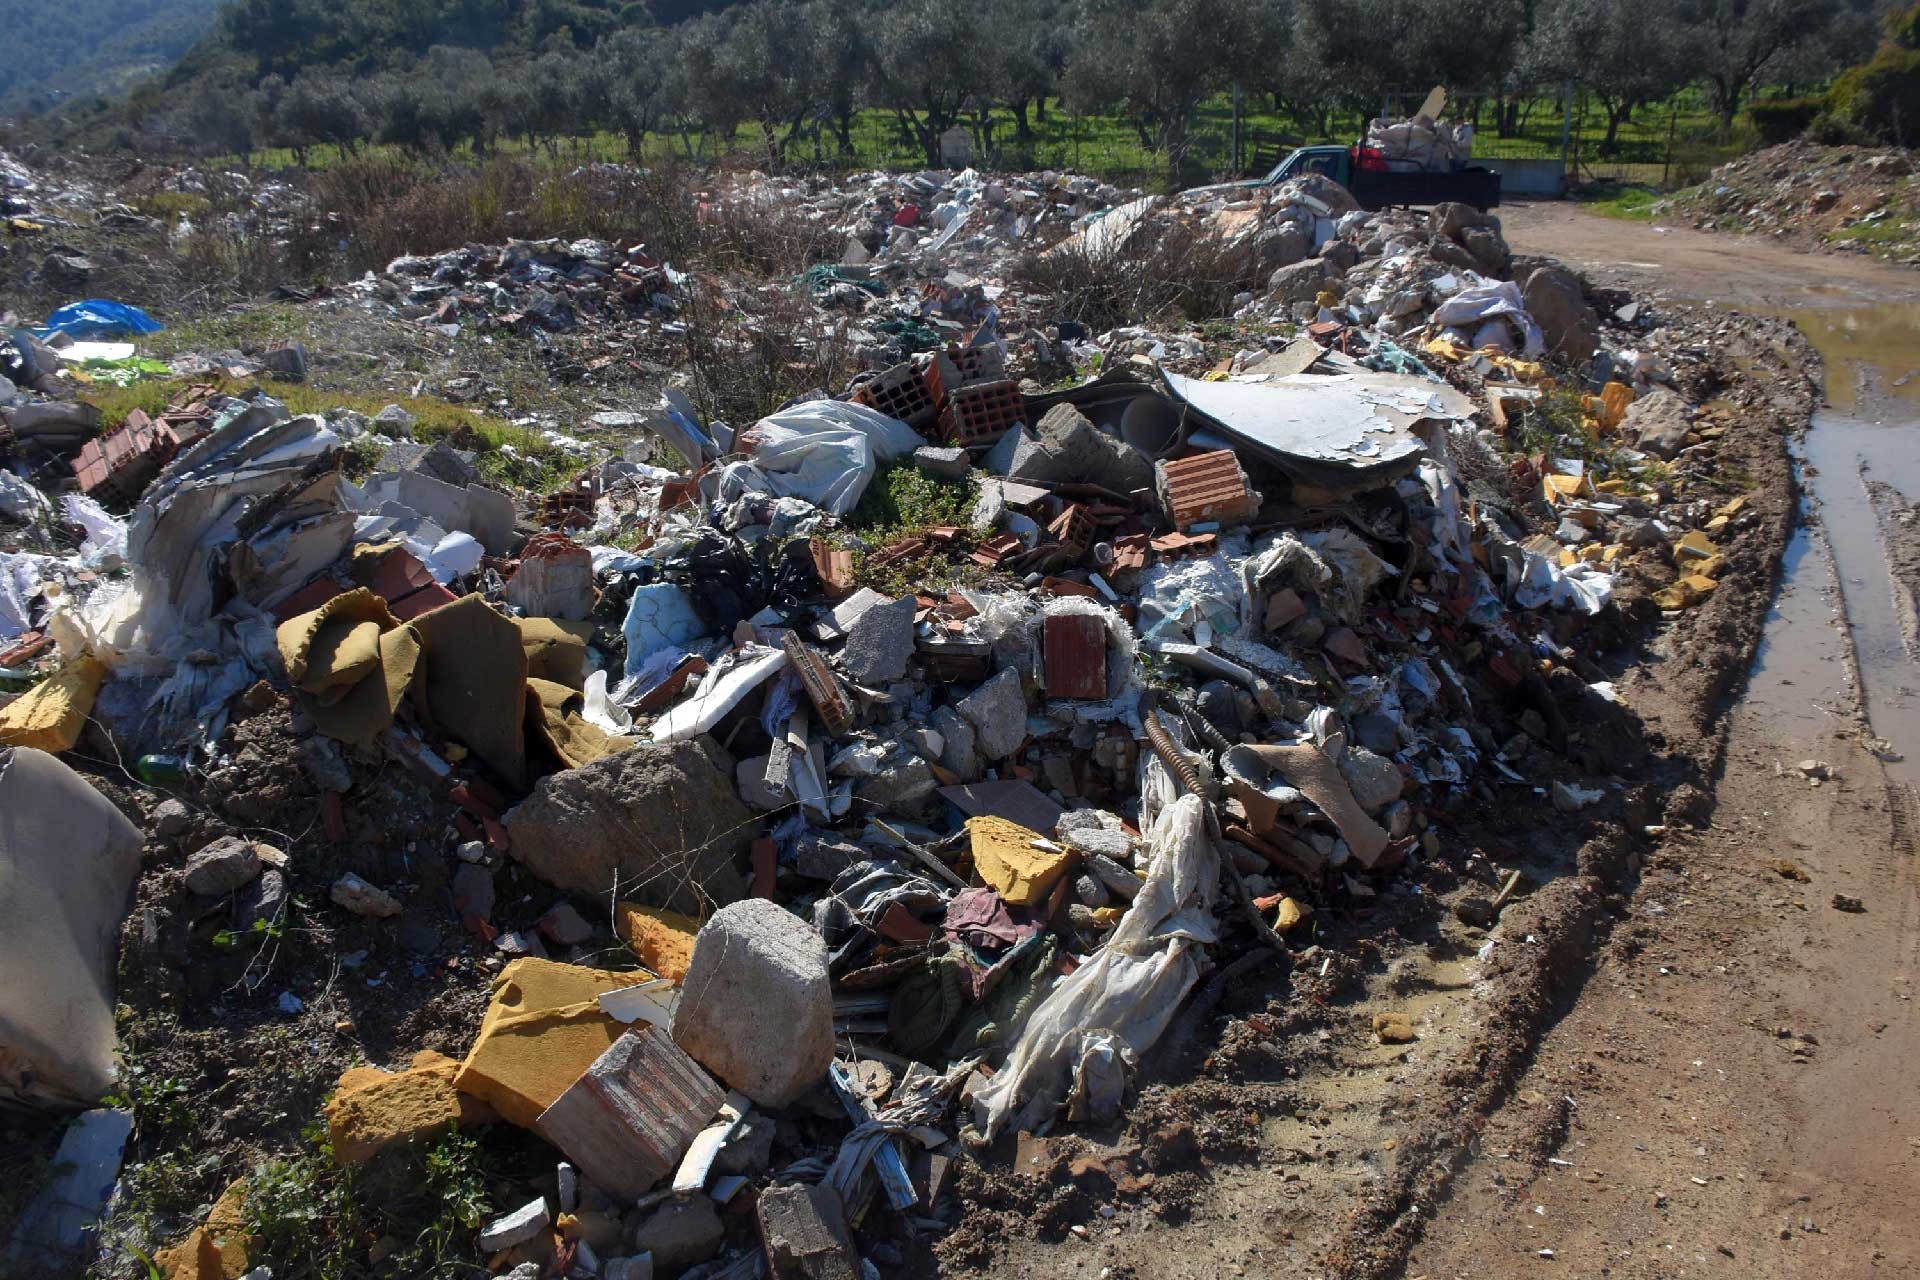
{"x":901,"y":500}
{"x":314,"y":1219}
{"x":1620,"y":200}
{"x":505,"y":453}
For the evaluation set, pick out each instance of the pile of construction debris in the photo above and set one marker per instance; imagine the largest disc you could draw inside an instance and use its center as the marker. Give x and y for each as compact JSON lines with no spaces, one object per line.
{"x":912,"y":841}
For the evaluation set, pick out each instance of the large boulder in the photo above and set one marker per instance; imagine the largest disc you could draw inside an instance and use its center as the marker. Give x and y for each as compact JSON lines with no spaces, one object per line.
{"x":659,"y":821}
{"x":1450,"y":218}
{"x":1303,"y":281}
{"x":1488,"y":249}
{"x":756,"y":1005}
{"x":1284,"y":245}
{"x":1558,"y":305}
{"x":1658,"y":423}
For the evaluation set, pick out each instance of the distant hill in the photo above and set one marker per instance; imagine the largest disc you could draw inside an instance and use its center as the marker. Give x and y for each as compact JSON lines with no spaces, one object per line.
{"x":78,"y":47}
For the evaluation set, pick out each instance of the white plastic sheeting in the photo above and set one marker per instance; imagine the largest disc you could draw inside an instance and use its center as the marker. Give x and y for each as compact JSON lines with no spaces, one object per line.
{"x":720,"y":691}
{"x":1468,"y":312}
{"x":822,"y":451}
{"x":1131,"y":987}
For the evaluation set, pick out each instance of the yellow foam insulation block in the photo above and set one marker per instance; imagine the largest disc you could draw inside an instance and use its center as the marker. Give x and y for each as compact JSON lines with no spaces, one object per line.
{"x":542,"y":1029}
{"x":556,"y":649}
{"x":218,"y":1250}
{"x":1695,"y":546}
{"x":51,"y":715}
{"x":1615,"y":399}
{"x":1005,"y":857}
{"x":373,"y":1109}
{"x":1685,"y":593}
{"x":662,"y":939}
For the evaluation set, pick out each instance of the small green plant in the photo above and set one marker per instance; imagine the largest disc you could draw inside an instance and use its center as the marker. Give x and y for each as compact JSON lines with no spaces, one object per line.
{"x":312,"y":1217}
{"x":258,"y":932}
{"x":158,"y":1102}
{"x":904,"y":499}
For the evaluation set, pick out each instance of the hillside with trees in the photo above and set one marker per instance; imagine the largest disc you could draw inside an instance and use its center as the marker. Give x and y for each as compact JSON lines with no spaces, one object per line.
{"x":93,"y":46}
{"x":443,"y":76}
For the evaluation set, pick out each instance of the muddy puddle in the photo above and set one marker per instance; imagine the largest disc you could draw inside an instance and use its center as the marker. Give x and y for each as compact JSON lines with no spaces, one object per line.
{"x":1838,"y":585}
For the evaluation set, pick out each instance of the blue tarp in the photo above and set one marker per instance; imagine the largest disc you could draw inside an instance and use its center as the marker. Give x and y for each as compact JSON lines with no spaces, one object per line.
{"x":99,"y":318}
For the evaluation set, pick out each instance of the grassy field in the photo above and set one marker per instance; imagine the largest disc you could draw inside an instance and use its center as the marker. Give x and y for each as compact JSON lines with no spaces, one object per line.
{"x":1110,"y":148}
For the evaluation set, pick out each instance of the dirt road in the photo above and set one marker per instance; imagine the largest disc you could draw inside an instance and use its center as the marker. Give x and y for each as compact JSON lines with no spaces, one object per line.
{"x":1735,"y":1082}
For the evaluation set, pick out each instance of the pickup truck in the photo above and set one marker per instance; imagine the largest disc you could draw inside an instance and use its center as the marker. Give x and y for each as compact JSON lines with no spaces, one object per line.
{"x":1364,"y":172}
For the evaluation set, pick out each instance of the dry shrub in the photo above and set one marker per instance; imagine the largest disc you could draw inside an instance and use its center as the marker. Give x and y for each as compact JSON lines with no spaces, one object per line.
{"x":1182,"y":273}
{"x":386,"y":206}
{"x":762,"y":236}
{"x":748,"y":357}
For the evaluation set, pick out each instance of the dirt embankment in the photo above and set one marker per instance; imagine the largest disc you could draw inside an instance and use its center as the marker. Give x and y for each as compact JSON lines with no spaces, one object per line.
{"x":1850,"y":199}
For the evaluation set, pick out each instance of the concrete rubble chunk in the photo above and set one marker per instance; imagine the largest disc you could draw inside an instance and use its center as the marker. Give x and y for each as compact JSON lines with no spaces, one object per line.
{"x":804,"y":1232}
{"x":1065,"y":447}
{"x":1570,"y":327}
{"x":1658,"y":422}
{"x":354,"y":894}
{"x":518,"y":1227}
{"x":944,"y":462}
{"x":630,"y":1116}
{"x":680,"y":1234}
{"x":958,"y":741}
{"x":1301,"y":281}
{"x":1376,"y":781}
{"x":752,"y":957}
{"x":564,"y":925}
{"x":880,"y":642}
{"x":222,"y":867}
{"x":998,"y":712}
{"x":661,"y":822}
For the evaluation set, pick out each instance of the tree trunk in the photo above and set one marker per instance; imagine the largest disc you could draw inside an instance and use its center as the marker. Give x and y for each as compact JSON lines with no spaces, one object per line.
{"x":1021,"y":129}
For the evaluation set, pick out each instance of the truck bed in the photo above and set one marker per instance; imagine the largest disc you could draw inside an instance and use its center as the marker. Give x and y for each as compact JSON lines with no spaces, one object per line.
{"x":1478,"y":187}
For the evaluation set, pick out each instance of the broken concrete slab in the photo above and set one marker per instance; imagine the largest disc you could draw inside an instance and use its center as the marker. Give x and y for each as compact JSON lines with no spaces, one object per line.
{"x":804,"y":1232}
{"x":751,"y":957}
{"x":1065,"y":447}
{"x":680,"y":1234}
{"x":879,"y":642}
{"x":659,"y":822}
{"x":632,"y":1113}
{"x":998,"y":712}
{"x":1569,"y":327}
{"x":1658,"y":423}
